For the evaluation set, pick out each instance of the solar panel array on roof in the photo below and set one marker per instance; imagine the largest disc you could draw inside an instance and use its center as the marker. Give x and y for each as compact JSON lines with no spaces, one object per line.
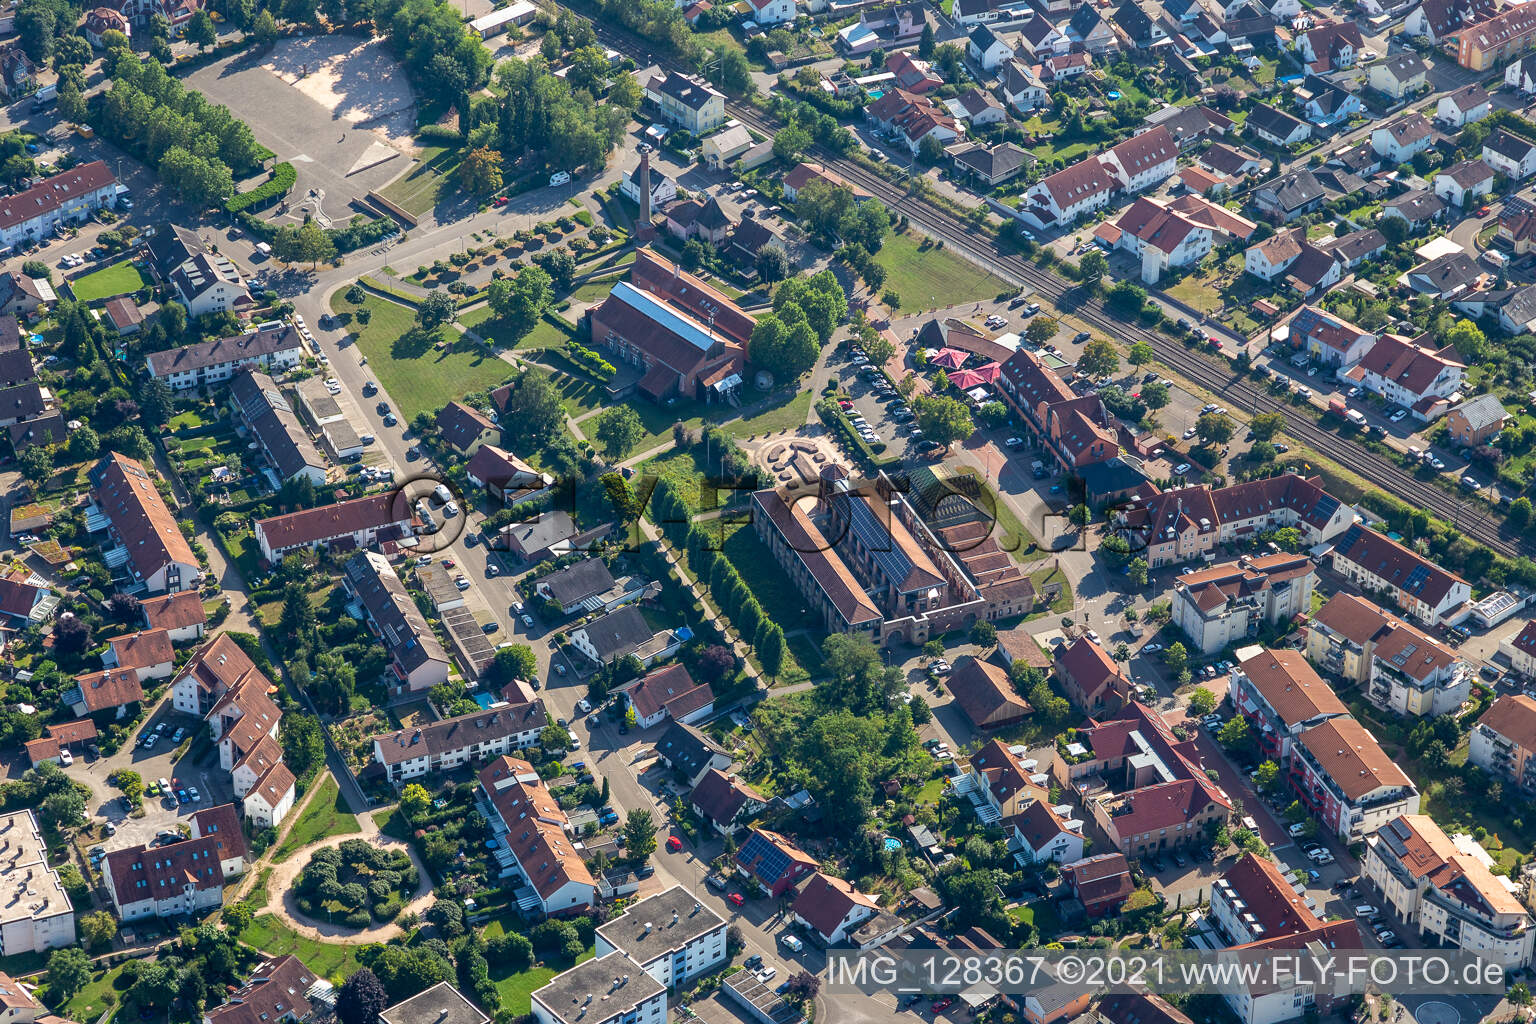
{"x":1327,"y":505}
{"x":876,"y":538}
{"x":1416,"y":579}
{"x":769,"y":861}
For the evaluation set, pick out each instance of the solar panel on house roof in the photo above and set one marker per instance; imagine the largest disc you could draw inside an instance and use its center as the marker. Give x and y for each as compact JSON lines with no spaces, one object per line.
{"x":1417,"y":578}
{"x":876,"y":538}
{"x":770,"y":861}
{"x":1327,"y":505}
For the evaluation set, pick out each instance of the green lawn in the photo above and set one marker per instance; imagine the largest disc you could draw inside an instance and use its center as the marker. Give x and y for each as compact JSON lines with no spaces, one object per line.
{"x":118,"y":279}
{"x":515,"y":989}
{"x":426,"y":182}
{"x":419,"y":375}
{"x":326,"y":814}
{"x":331,"y":960}
{"x":505,"y":335}
{"x":88,"y":1003}
{"x":597,"y":287}
{"x":786,"y":411}
{"x":927,"y":277}
{"x":772,"y":587}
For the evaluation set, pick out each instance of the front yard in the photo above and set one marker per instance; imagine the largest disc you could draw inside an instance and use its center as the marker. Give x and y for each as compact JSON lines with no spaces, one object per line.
{"x":118,"y":279}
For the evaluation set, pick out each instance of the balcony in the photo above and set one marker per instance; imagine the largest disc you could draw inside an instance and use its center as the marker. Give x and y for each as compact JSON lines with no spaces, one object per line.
{"x":1460,"y":915}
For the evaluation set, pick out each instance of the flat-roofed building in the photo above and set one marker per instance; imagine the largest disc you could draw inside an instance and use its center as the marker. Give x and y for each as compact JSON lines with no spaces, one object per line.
{"x":596,"y":992}
{"x":671,"y":935}
{"x":38,"y":915}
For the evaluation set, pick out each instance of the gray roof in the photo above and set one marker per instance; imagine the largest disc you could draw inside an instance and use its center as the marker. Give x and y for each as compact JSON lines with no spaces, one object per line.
{"x":691,"y":92}
{"x":1276,"y":123}
{"x":687,"y":749}
{"x":618,"y":633}
{"x":1519,"y":308}
{"x":1296,"y":190}
{"x":24,"y":401}
{"x":659,"y":925}
{"x":572,"y":995}
{"x":266,"y":412}
{"x":1000,"y":159}
{"x":457,"y":733}
{"x":575,"y":583}
{"x":539,"y":533}
{"x":403,"y":629}
{"x":256,"y":345}
{"x":1404,"y":66}
{"x":440,"y":1004}
{"x":1508,"y":144}
{"x":1357,"y":245}
{"x":1484,"y":410}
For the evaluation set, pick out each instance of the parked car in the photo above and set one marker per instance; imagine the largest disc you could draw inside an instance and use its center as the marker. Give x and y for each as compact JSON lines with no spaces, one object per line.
{"x":674,"y":844}
{"x":791,"y":942}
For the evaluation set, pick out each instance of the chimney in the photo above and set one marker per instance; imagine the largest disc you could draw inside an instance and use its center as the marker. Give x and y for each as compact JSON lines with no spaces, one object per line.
{"x":644,"y":231}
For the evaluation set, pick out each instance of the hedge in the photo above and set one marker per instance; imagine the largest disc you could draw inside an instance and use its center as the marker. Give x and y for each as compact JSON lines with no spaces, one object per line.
{"x":590,"y":361}
{"x":441,"y":134}
{"x":279,"y":184}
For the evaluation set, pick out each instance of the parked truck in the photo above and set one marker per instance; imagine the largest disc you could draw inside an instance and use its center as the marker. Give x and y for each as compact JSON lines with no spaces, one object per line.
{"x":44,"y":96}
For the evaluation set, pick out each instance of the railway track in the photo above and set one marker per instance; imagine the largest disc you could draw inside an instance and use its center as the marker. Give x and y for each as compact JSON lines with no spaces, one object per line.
{"x":1472,"y":520}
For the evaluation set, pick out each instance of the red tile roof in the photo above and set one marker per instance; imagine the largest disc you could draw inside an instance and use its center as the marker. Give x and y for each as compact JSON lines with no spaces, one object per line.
{"x":174,"y":611}
{"x":125,"y":491}
{"x":985,"y":693}
{"x":52,"y":193}
{"x":328,"y":522}
{"x":1291,"y":686}
{"x":1269,"y":897}
{"x":1514,"y":718}
{"x":535,"y":826}
{"x":113,"y":689}
{"x":144,"y":649}
{"x":670,"y":688}
{"x":825,"y":901}
{"x":1350,"y":756}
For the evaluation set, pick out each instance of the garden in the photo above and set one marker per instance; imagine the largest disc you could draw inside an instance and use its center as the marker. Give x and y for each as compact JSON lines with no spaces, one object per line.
{"x":118,"y":279}
{"x":357,"y":883}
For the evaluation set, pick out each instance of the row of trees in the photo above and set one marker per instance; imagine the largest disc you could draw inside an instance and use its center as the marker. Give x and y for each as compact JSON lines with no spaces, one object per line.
{"x":806,"y":310}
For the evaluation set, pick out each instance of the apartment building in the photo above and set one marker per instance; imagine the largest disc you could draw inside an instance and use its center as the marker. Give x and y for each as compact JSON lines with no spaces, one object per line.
{"x":608,"y":989}
{"x":1443,"y":887}
{"x":417,"y":660}
{"x":276,"y":346}
{"x":1347,"y":781}
{"x":1503,"y":742}
{"x":69,"y":197}
{"x":143,"y":542}
{"x":671,"y":935}
{"x":167,"y":881}
{"x":1282,"y":697}
{"x":535,"y":846}
{"x":1418,"y":586}
{"x":1221,"y":606}
{"x":349,"y":525}
{"x":687,"y":101}
{"x":1422,"y":380}
{"x":452,"y":742}
{"x":37,"y":915}
{"x":1252,"y":900}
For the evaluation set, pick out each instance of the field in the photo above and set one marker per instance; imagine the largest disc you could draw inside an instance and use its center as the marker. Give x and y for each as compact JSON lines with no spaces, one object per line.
{"x":426,"y":182}
{"x":928,"y":278}
{"x":88,"y":1004}
{"x":118,"y":279}
{"x":326,"y":814}
{"x":420,"y":376}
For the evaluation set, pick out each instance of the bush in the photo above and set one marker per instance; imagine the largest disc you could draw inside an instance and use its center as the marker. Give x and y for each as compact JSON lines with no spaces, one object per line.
{"x":441,"y":134}
{"x":590,"y":361}
{"x":279,"y":184}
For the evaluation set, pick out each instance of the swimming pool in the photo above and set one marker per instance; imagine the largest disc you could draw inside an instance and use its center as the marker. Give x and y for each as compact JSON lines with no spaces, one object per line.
{"x":875,"y":94}
{"x":485,"y":700}
{"x":892,"y":844}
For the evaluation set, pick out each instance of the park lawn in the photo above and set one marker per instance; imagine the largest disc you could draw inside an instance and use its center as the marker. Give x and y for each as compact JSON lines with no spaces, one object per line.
{"x":770,"y":584}
{"x":118,"y":279}
{"x":786,"y":410}
{"x":419,"y":377}
{"x":420,"y":188}
{"x":927,"y":277}
{"x":597,"y":287}
{"x":326,"y":814}
{"x":505,"y":335}
{"x":1197,"y":292}
{"x":333,"y":960}
{"x":88,"y":1003}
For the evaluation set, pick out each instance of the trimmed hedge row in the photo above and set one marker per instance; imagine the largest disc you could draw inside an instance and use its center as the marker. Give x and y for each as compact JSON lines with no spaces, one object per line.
{"x":279,"y":184}
{"x":590,"y":361}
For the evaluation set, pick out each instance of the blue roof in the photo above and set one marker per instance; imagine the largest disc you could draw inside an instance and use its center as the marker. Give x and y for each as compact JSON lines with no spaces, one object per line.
{"x":652,"y":308}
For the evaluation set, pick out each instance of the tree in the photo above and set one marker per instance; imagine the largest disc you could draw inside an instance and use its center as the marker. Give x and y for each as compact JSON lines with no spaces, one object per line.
{"x":1234,"y":734}
{"x":97,"y":929}
{"x":1214,"y":428}
{"x":37,"y":463}
{"x":1127,"y":299}
{"x":307,"y":243}
{"x":201,"y":32}
{"x":1395,"y":234}
{"x":1519,"y":514}
{"x":640,"y":834}
{"x":1080,"y":516}
{"x":527,"y":298}
{"x":554,"y":737}
{"x":1140,"y":354}
{"x":1468,"y":340}
{"x":560,"y":265}
{"x":131,"y":783}
{"x":943,"y":419}
{"x":1268,"y":774}
{"x":618,"y":431}
{"x":533,"y":413}
{"x":1266,"y":425}
{"x":926,"y":44}
{"x":362,"y":998}
{"x":1093,"y":265}
{"x":516,"y":661}
{"x":1099,"y":359}
{"x":436,"y":308}
{"x":784,"y":344}
{"x":984,"y":634}
{"x":1202,"y":702}
{"x":68,"y":972}
{"x":302,"y":740}
{"x":879,"y":350}
{"x":1042,"y":329}
{"x":1176,"y":657}
{"x":71,"y":634}
{"x":930,"y":151}
{"x":298,"y":618}
{"x":480,"y":171}
{"x":791,"y":142}
{"x":415,"y":801}
{"x":773,"y":263}
{"x":1137,"y":572}
{"x":72,"y":102}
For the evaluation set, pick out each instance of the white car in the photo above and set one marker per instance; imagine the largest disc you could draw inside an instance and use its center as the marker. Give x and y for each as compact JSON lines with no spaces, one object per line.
{"x":1189,"y":433}
{"x":1398,"y":416}
{"x":451,"y":509}
{"x":1181,"y":469}
{"x":767,"y":974}
{"x":584,"y":706}
{"x":559,"y":178}
{"x":1297,"y":829}
{"x":461,"y":583}
{"x":1151,"y":648}
{"x":1013,"y":442}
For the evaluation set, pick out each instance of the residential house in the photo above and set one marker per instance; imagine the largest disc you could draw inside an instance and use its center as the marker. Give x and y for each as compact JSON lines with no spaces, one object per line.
{"x":667,"y":692}
{"x":1281,"y":696}
{"x":772,"y":12}
{"x":1418,"y":586}
{"x":1328,"y":339}
{"x":450,"y":743}
{"x":464,"y":429}
{"x":222,"y":825}
{"x":911,"y":118}
{"x":1439,"y":20}
{"x":1230,"y":161}
{"x":911,"y":74}
{"x":1465,"y":184}
{"x":705,"y":219}
{"x":829,"y":908}
{"x":623,"y":632}
{"x":563,"y":1000}
{"x":1515,"y":308}
{"x":167,"y":881}
{"x":584,"y":586}
{"x":690,"y":753}
{"x":1276,"y":126}
{"x":724,"y":146}
{"x":1040,"y":38}
{"x":21,"y":295}
{"x":100,"y":21}
{"x":124,"y":315}
{"x":1443,"y":887}
{"x":1223,"y":605}
{"x":1467,"y":105}
{"x":1269,"y":259}
{"x":1399,"y":76}
{"x":976,"y":108}
{"x":143,"y":538}
{"x":687,"y":101}
{"x":1042,"y":834}
{"x":1190,"y":125}
{"x":1330,"y":47}
{"x":1399,"y":141}
{"x":1520,"y":75}
{"x":1090,"y":678}
{"x":725,"y":802}
{"x":344,"y":526}
{"x":1420,"y":208}
{"x":506,"y":477}
{"x":1138,"y":29}
{"x":1414,"y":675}
{"x":69,"y":197}
{"x":1007,"y":785}
{"x":98,"y":692}
{"x":1326,"y":103}
{"x":1021,"y":86}
{"x":1101,"y":883}
{"x":1513,"y":156}
{"x":56,"y":739}
{"x":1064,"y":66}
{"x":1059,"y":199}
{"x":1347,"y":781}
{"x":987,"y":49}
{"x":1517,"y":225}
{"x":417,"y":660}
{"x":1163,"y":238}
{"x":992,"y":166}
{"x":210,"y":362}
{"x":985,"y":695}
{"x":279,"y":990}
{"x":148,"y":653}
{"x":1503,"y":742}
{"x":1446,"y":277}
{"x":663,"y":188}
{"x":803,"y":174}
{"x":42,"y":917}
{"x":1291,"y":195}
{"x":1143,"y":160}
{"x":267,"y":417}
{"x":1088,"y":30}
{"x":1476,"y":420}
{"x":535,"y":843}
{"x":549,"y":534}
{"x":773,"y":862}
{"x":1422,"y":380}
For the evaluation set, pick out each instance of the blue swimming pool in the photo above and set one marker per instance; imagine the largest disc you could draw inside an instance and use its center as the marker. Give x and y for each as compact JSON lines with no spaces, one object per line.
{"x":875,"y":94}
{"x":485,"y":700}
{"x":892,"y":843}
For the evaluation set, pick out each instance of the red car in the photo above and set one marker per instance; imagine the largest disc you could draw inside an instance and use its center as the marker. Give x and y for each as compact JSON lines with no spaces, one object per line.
{"x":940,"y":1005}
{"x":500,"y":200}
{"x":674,"y":844}
{"x":737,"y":899}
{"x":447,"y":563}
